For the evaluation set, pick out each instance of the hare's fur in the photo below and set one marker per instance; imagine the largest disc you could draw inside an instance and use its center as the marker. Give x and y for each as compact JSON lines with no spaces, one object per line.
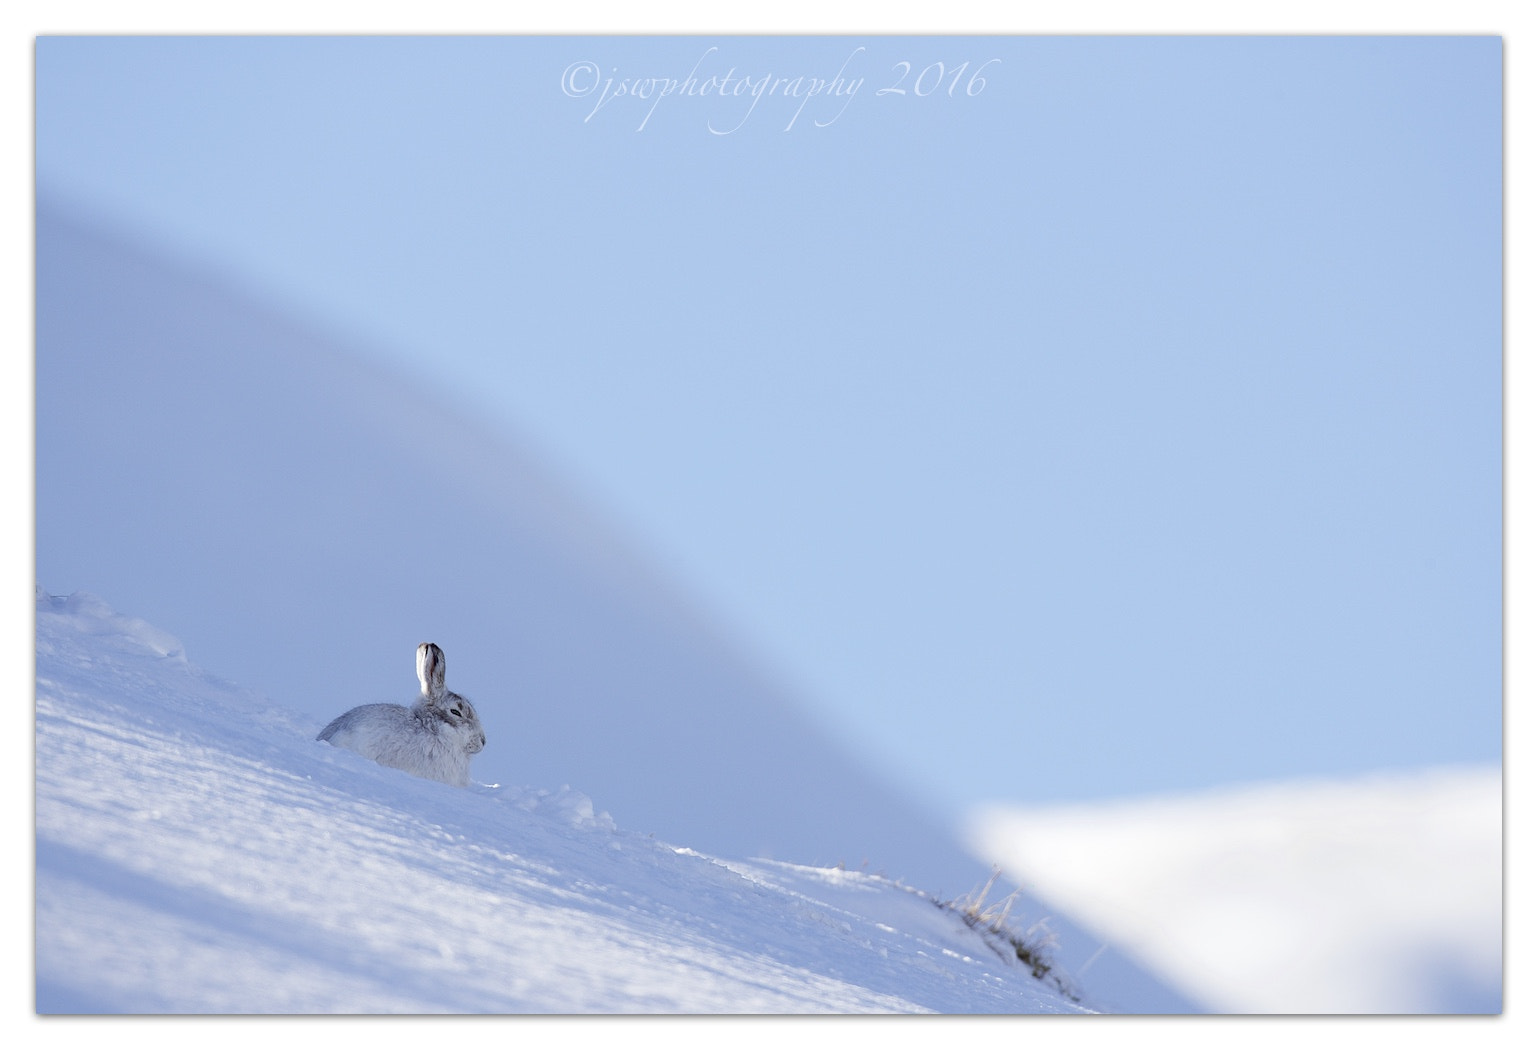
{"x":434,"y":737}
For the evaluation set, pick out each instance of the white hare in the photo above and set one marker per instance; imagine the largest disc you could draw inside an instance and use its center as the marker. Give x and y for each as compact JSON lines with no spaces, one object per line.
{"x":432,"y":738}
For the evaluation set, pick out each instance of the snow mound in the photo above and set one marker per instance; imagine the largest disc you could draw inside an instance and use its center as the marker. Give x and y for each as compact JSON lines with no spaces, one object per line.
{"x":198,"y":851}
{"x":567,"y":806}
{"x":87,"y":614}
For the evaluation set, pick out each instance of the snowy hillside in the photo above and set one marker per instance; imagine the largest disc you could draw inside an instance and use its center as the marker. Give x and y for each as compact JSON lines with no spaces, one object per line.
{"x":198,"y":850}
{"x":302,"y":518}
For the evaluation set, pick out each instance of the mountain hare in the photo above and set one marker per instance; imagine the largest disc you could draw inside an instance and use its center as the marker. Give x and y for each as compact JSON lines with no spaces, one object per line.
{"x":432,"y":738}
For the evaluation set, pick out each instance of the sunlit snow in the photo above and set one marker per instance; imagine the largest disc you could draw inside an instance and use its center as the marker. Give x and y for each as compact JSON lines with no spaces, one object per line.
{"x":199,"y":851}
{"x":1378,"y":894}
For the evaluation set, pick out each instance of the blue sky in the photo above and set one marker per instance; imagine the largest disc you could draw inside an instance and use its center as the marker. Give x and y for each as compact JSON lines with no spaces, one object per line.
{"x":1147,"y":395}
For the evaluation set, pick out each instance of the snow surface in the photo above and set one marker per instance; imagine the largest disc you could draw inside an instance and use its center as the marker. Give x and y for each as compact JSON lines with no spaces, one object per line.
{"x":199,"y":851}
{"x":1378,"y":894}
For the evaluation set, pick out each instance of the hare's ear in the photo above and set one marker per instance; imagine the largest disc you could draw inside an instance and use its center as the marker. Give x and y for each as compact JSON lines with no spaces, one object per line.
{"x":430,"y":669}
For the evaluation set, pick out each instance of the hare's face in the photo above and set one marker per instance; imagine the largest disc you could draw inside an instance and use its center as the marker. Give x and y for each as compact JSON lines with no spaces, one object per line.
{"x":459,"y":714}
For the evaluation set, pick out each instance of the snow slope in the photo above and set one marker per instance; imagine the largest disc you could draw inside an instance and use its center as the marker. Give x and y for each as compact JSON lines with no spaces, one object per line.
{"x":199,"y":851}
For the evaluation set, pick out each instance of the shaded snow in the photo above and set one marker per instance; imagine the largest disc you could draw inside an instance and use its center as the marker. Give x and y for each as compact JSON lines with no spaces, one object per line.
{"x":199,"y":851}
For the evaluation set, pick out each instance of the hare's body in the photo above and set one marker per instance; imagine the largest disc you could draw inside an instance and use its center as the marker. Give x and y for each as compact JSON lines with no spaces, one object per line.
{"x":411,"y":738}
{"x":434,"y":737}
